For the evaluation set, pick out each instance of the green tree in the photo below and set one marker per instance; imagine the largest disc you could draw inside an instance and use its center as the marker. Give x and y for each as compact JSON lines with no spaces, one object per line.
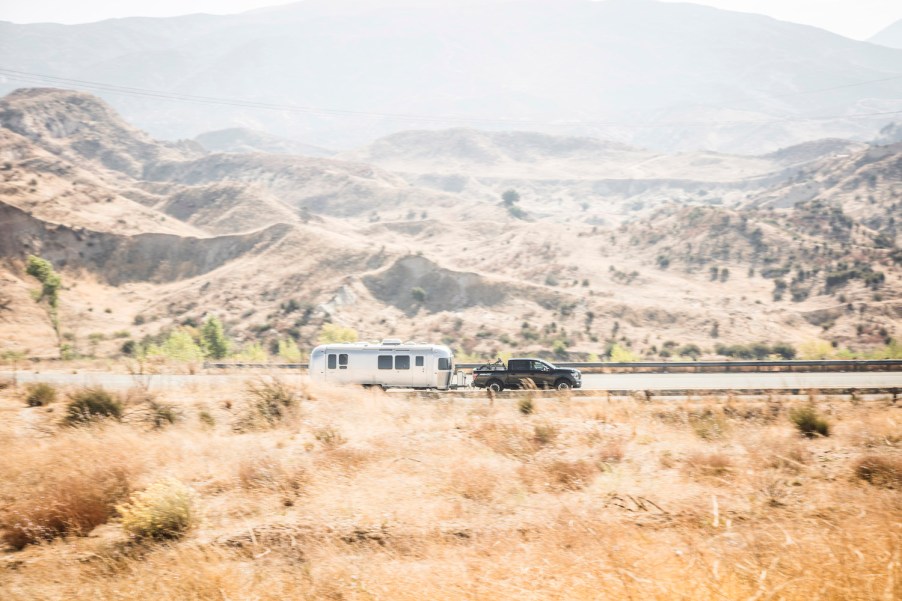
{"x":42,"y":270}
{"x":213,"y":339}
{"x":623,"y":355}
{"x":334,"y":333}
{"x":816,"y":349}
{"x":253,"y":353}
{"x":288,"y":350}
{"x":510,"y":198}
{"x":418,"y":294}
{"x":179,"y":346}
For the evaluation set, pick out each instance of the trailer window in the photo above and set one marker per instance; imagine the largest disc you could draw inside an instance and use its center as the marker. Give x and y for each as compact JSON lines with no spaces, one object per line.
{"x":343,"y":361}
{"x":332,"y":361}
{"x":402,"y":362}
{"x":444,"y":364}
{"x":419,"y":361}
{"x":384,"y":361}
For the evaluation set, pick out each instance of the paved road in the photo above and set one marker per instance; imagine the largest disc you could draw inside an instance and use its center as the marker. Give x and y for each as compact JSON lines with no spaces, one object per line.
{"x":590,"y":381}
{"x":742,"y":381}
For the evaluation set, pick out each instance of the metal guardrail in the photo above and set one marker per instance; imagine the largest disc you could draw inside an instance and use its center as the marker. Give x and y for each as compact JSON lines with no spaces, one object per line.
{"x":660,"y":366}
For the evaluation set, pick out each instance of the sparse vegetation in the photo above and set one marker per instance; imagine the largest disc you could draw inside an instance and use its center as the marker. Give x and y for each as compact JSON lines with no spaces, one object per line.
{"x":332,"y":333}
{"x":165,"y":510}
{"x":40,"y":394}
{"x":880,"y":470}
{"x":42,"y":270}
{"x":90,"y":405}
{"x":423,"y":491}
{"x":809,"y":422}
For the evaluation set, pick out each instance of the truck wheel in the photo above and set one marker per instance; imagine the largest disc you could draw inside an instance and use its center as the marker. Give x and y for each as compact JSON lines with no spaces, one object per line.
{"x":563,"y":384}
{"x":495,"y":386}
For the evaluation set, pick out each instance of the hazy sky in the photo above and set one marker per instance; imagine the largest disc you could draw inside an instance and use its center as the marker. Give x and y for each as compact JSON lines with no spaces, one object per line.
{"x":859,"y":19}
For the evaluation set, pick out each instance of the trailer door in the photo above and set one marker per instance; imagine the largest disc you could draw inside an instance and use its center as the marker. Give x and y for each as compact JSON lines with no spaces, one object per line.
{"x":403,"y":372}
{"x":331,"y":374}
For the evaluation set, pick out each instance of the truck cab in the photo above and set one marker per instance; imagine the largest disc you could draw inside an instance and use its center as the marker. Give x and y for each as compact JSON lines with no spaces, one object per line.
{"x":525,"y":373}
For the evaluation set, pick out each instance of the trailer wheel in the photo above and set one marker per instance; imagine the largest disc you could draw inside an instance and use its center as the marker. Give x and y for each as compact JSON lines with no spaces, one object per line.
{"x":495,"y":386}
{"x":563,"y":384}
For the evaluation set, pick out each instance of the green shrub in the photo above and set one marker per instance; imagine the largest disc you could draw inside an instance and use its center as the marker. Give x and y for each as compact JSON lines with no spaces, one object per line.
{"x":40,"y":394}
{"x":159,"y":414}
{"x":809,"y":422}
{"x":206,"y":419}
{"x":92,"y":404}
{"x":164,"y":510}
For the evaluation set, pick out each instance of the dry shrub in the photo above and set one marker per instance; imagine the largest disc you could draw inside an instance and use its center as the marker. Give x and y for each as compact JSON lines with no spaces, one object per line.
{"x":789,"y":456}
{"x":544,"y":434}
{"x":474,"y":482}
{"x":272,"y":474}
{"x":610,"y":452}
{"x":329,"y":436}
{"x":90,"y":405}
{"x":708,"y":425}
{"x":709,"y":465}
{"x":40,"y":394}
{"x":346,"y":459}
{"x":68,"y":503}
{"x":506,"y":439}
{"x":164,"y":510}
{"x":876,"y":432}
{"x":880,"y":470}
{"x":558,"y":475}
{"x":270,"y":401}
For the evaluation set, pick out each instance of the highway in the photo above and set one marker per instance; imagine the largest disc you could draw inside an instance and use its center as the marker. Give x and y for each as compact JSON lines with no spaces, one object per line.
{"x":742,"y":381}
{"x":702,"y":381}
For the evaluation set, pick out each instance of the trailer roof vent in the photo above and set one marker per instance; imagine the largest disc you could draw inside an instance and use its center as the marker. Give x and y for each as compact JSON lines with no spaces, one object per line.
{"x":391,"y":341}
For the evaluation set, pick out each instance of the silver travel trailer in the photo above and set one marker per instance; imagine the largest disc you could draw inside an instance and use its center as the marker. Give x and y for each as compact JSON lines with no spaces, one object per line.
{"x":390,"y":364}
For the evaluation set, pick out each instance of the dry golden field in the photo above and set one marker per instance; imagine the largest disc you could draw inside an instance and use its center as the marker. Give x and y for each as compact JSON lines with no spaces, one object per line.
{"x":351,"y":494}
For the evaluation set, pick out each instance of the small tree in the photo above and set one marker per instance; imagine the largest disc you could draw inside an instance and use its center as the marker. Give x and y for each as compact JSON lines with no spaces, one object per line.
{"x":289,"y":351}
{"x":418,"y":294}
{"x":334,"y":333}
{"x":623,"y":355}
{"x":179,"y":346}
{"x":510,"y":198}
{"x":42,"y":270}
{"x":213,"y":339}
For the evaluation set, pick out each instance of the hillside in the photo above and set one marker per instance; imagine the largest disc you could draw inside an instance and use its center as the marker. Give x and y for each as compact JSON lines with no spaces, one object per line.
{"x":150,"y":235}
{"x":890,"y":37}
{"x":669,"y":76}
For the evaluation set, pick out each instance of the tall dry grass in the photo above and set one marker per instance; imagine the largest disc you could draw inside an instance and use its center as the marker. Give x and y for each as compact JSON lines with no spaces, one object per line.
{"x":363,"y":495}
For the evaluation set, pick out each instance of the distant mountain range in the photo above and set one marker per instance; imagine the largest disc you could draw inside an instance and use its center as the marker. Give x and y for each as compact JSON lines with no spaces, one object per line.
{"x":891,"y":36}
{"x":341,"y":73}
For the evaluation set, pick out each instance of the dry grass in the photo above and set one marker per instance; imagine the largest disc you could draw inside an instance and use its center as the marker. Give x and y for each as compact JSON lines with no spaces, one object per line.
{"x":363,"y":495}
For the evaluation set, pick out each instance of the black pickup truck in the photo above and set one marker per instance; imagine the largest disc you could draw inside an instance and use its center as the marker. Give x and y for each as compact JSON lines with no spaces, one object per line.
{"x":496,"y":376}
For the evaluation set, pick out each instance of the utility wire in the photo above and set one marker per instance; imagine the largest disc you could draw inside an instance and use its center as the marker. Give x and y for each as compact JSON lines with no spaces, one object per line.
{"x":36,"y":78}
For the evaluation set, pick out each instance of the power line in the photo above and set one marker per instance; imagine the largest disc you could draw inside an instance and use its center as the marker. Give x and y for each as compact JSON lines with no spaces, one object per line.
{"x":37,"y":78}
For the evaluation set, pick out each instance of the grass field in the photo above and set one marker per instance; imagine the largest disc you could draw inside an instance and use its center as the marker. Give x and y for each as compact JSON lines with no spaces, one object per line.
{"x":301,"y":492}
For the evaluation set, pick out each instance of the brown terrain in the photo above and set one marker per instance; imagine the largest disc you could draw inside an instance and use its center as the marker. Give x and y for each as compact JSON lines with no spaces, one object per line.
{"x":283,"y":490}
{"x":607,"y":242}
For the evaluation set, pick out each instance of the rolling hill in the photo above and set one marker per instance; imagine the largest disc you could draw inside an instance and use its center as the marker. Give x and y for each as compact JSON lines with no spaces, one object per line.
{"x":149,"y":235}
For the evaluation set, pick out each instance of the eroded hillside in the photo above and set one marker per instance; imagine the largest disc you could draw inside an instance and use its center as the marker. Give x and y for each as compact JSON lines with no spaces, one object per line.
{"x":411,"y":237}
